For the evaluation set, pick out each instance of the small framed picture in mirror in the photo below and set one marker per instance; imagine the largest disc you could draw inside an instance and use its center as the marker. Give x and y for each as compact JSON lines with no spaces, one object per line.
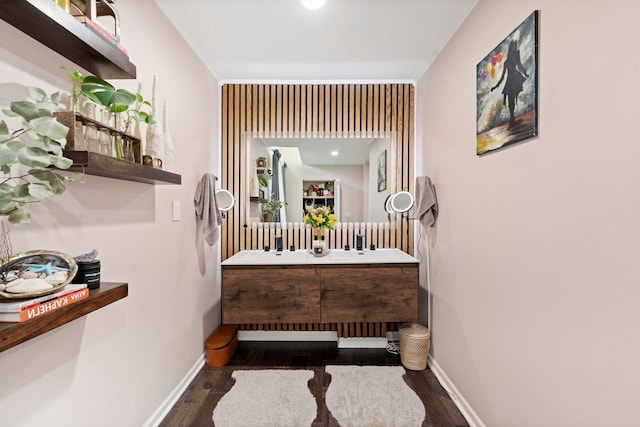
{"x":382,"y":171}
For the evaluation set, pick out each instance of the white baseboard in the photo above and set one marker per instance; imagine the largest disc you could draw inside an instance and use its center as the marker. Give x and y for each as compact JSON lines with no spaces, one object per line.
{"x":467,"y":411}
{"x":173,"y":397}
{"x":362,"y":342}
{"x":287,"y":336}
{"x":312,"y":336}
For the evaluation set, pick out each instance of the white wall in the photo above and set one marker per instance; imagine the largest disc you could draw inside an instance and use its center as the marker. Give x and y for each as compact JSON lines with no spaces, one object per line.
{"x":115,"y":366}
{"x":534,"y":257}
{"x":378,"y":198}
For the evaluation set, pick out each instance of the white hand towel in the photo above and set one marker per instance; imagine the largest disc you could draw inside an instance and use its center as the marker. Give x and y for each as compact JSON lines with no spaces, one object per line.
{"x":426,"y":202}
{"x":207,"y":208}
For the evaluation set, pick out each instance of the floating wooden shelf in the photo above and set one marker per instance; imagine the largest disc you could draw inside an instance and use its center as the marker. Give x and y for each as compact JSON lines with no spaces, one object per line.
{"x":12,"y":334}
{"x":48,"y":23}
{"x":98,"y":164}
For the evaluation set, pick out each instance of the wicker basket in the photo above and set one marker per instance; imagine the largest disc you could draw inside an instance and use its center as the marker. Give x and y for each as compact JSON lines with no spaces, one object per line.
{"x":414,"y":346}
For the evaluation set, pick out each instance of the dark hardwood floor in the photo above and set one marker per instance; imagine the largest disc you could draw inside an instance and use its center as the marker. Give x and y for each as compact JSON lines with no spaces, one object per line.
{"x":195,"y":406}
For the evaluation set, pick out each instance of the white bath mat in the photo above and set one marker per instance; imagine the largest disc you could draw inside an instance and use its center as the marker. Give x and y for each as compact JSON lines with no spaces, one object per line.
{"x":372,"y":396}
{"x":273,"y":397}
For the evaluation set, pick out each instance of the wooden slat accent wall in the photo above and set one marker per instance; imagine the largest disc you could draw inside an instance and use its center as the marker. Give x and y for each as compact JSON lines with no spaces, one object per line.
{"x":314,"y":111}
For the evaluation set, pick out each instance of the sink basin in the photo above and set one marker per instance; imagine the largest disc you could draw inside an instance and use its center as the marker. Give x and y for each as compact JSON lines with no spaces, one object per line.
{"x":335,"y":256}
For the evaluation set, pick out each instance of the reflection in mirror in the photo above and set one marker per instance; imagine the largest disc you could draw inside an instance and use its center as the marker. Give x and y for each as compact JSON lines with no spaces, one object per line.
{"x":387,"y":204}
{"x":353,"y":176}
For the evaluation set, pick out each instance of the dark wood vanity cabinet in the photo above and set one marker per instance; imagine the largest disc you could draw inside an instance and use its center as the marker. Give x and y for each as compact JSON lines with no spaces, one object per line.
{"x":369,"y":294}
{"x":320,"y":293}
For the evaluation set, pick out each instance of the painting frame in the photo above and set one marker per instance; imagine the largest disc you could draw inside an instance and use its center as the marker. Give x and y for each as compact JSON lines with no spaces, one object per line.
{"x":507,"y":89}
{"x":382,"y":171}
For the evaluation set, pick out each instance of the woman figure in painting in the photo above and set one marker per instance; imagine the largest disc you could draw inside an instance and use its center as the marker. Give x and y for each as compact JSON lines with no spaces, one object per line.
{"x":516,"y":75}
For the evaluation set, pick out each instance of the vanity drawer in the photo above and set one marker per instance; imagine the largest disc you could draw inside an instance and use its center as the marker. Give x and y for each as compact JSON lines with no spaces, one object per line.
{"x":370,"y":294}
{"x":270,"y":295}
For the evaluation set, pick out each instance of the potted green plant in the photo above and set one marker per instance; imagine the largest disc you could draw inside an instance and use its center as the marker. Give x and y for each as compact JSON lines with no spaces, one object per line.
{"x":117,"y":101}
{"x":270,"y":208}
{"x":29,"y":154}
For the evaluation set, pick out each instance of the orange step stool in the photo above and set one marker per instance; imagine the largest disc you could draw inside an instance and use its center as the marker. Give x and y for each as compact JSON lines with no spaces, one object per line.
{"x":221,"y":345}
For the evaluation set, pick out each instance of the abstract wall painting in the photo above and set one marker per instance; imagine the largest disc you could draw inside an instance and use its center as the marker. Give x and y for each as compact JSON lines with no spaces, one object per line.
{"x":382,"y":171}
{"x":507,"y":90}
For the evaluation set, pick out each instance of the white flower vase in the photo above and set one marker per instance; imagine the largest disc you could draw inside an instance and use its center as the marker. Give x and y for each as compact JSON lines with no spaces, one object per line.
{"x":155,"y":137}
{"x":169,"y":157}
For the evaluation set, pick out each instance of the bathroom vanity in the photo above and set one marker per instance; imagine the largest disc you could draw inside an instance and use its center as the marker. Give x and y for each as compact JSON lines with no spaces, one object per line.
{"x":297,"y":287}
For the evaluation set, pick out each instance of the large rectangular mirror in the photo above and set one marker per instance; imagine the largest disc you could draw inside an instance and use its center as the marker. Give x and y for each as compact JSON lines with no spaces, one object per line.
{"x":352,"y":175}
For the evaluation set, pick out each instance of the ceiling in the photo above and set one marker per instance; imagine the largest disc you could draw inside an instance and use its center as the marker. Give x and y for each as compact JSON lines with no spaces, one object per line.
{"x":344,"y":40}
{"x":317,"y":151}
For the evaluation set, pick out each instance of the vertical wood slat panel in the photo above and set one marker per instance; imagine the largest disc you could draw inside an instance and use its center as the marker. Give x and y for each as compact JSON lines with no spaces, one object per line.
{"x":279,"y":108}
{"x":396,"y":125}
{"x":327,"y":110}
{"x":226,"y":230}
{"x":351,"y":110}
{"x":310,"y":121}
{"x":339,"y":98}
{"x":356,"y":117}
{"x":239,"y":183}
{"x":330,"y":112}
{"x":302,"y":110}
{"x":291,"y":112}
{"x":285,"y":111}
{"x":320,"y":98}
{"x":376,"y":111}
{"x":234,"y":161}
{"x":411,"y":149}
{"x":273,"y":110}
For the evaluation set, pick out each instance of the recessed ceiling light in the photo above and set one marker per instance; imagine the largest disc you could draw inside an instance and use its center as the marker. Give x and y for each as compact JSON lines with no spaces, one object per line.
{"x":313,"y":4}
{"x":334,"y":153}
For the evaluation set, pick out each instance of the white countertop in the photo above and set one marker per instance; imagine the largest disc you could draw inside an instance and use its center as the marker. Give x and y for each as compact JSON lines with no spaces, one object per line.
{"x":335,"y":256}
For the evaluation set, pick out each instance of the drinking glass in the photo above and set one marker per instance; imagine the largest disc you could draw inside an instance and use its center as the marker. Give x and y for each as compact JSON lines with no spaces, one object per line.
{"x":105,"y":142}
{"x":91,"y":137}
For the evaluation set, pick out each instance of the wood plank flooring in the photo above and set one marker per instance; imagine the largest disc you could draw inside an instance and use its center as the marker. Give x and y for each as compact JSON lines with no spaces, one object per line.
{"x":195,"y":406}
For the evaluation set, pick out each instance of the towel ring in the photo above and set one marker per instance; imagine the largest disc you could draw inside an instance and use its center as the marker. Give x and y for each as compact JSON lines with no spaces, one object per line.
{"x":224,"y":199}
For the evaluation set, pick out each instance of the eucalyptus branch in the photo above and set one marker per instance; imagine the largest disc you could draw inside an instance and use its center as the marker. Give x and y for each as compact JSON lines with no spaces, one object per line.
{"x":13,"y":135}
{"x":42,"y":150}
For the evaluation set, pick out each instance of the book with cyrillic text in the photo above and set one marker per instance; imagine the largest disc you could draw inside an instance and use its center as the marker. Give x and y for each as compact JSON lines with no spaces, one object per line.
{"x":19,"y":311}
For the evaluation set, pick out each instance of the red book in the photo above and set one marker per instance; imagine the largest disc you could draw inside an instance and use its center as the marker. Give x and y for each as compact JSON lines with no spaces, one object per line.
{"x":31,"y":309}
{"x":100,"y":31}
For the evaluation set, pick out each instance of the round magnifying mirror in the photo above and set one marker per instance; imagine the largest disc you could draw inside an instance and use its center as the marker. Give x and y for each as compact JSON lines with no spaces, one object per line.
{"x":402,"y":201}
{"x":224,"y":199}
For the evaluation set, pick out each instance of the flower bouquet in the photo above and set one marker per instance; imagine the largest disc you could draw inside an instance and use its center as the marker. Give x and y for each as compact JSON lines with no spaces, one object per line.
{"x":320,"y":218}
